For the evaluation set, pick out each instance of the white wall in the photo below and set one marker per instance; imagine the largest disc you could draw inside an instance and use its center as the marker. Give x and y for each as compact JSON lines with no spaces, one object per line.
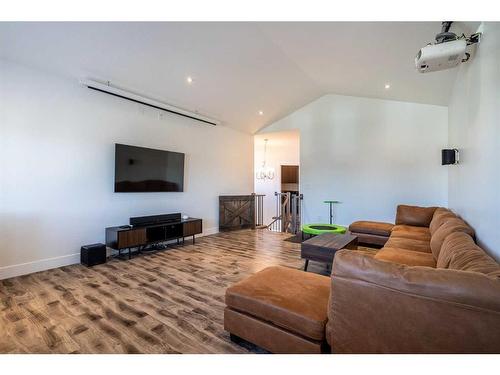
{"x":370,"y":154}
{"x":474,"y":128}
{"x":283,"y":148}
{"x":57,"y":163}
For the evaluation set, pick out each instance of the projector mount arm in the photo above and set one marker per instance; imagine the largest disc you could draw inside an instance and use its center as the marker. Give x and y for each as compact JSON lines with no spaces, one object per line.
{"x":474,"y":38}
{"x":446,"y":36}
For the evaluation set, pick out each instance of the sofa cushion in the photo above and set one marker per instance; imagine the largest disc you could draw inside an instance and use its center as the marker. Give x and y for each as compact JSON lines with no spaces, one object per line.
{"x":414,"y":215}
{"x":371,"y":227}
{"x":440,"y":216}
{"x":459,"y":252}
{"x":372,"y":240}
{"x":408,"y":257}
{"x":291,"y":299}
{"x":408,"y":244}
{"x":411,"y":232}
{"x":449,"y":226}
{"x":410,"y":228}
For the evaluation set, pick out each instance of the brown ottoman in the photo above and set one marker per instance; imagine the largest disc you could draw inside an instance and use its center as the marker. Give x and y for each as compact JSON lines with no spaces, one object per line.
{"x":371,"y":232}
{"x":280,"y":309}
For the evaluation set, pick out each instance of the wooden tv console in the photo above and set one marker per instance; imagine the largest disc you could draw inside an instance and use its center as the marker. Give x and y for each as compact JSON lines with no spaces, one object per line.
{"x":129,"y":237}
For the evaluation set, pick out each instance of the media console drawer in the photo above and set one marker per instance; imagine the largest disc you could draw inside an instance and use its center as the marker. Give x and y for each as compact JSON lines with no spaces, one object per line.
{"x":131,"y":238}
{"x":191,"y":228}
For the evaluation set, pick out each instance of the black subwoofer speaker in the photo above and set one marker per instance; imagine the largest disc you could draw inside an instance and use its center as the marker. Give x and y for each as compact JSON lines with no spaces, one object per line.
{"x":93,"y":254}
{"x":449,"y":156}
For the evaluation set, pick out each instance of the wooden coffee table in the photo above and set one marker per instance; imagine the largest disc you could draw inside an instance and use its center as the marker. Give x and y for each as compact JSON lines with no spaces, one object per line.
{"x":322,"y":248}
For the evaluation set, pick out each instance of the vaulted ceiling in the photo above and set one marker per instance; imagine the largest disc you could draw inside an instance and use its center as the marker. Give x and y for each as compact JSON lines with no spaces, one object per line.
{"x":238,"y":69}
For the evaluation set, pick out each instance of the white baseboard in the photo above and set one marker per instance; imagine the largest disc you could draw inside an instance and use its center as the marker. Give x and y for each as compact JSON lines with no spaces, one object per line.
{"x":209,"y":231}
{"x":38,"y":265}
{"x":65,"y":260}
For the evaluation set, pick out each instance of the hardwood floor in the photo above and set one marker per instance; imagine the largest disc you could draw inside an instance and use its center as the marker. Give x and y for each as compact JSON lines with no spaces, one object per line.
{"x":165,"y":302}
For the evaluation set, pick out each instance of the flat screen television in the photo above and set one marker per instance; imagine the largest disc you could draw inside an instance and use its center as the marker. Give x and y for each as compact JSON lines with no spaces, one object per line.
{"x":139,"y":169}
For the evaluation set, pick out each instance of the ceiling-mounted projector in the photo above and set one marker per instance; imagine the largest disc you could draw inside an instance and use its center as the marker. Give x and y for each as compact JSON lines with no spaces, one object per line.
{"x":447,"y":52}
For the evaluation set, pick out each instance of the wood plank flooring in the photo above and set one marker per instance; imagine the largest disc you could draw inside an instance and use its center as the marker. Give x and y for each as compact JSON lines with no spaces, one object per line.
{"x":170,"y":301}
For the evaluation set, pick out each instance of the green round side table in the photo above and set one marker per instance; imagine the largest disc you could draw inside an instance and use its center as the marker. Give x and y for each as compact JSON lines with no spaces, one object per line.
{"x":317,"y":229}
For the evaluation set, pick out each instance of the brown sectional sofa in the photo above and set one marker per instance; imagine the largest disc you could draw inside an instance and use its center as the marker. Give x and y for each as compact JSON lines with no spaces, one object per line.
{"x":417,"y":237}
{"x":430,"y":289}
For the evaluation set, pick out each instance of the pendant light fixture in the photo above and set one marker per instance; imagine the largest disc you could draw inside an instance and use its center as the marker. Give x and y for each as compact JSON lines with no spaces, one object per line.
{"x":264,"y":172}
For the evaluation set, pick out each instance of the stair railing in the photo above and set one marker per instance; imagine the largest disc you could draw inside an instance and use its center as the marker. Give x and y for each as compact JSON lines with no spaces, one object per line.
{"x":287,"y":217}
{"x":259,"y":210}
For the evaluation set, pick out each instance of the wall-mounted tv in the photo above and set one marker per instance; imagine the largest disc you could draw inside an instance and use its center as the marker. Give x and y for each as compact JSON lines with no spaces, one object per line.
{"x":139,"y":169}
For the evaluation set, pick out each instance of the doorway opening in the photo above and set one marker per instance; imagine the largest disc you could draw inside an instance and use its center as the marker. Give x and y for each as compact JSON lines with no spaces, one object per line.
{"x":277,"y":177}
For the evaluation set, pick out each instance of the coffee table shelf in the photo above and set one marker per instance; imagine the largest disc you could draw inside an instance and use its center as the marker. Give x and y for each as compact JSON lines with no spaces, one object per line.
{"x":322,"y":248}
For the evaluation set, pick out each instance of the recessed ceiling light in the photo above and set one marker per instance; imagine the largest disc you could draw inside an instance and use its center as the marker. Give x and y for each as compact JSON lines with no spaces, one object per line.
{"x":387,"y":86}
{"x":189,"y":79}
{"x":261,"y":113}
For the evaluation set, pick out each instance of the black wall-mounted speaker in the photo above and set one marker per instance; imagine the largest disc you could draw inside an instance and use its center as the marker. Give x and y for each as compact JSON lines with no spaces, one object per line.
{"x":94,"y":254}
{"x":449,"y":156}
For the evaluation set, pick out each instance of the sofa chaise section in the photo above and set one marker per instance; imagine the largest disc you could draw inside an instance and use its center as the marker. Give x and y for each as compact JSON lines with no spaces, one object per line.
{"x":280,"y":309}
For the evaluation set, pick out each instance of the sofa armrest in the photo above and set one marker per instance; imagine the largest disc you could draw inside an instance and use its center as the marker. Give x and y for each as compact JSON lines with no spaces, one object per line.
{"x":383,"y":307}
